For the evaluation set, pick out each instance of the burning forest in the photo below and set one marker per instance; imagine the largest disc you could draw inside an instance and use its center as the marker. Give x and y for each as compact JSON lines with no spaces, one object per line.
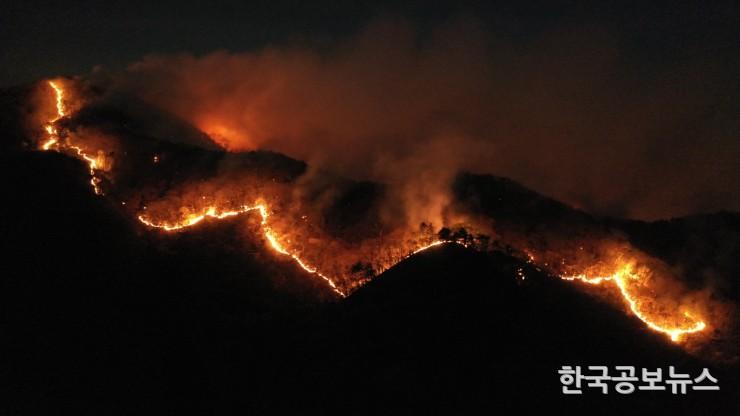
{"x":444,"y":212}
{"x":292,"y":222}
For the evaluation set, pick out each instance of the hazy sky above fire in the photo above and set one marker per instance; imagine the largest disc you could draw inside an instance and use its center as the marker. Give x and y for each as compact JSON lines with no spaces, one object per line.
{"x":621,"y":111}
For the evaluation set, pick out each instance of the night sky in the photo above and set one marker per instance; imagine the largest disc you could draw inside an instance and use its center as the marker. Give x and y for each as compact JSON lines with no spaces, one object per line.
{"x":43,"y":39}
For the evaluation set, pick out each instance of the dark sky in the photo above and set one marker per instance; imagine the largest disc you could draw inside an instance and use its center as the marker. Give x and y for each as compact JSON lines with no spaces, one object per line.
{"x":40,"y":39}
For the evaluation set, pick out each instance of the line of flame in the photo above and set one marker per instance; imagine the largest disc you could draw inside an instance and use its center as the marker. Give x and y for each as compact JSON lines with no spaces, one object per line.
{"x":619,"y":278}
{"x":270,"y":235}
{"x":53,"y":138}
{"x":272,"y":238}
{"x":212,"y":212}
{"x":50,"y":128}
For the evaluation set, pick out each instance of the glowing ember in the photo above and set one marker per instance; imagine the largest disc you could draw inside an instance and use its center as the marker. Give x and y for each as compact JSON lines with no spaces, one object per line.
{"x":624,"y":279}
{"x":50,"y":128}
{"x":213,"y":212}
{"x":210,"y":212}
{"x":428,"y":246}
{"x":54,"y":140}
{"x":270,"y":235}
{"x":627,"y":279}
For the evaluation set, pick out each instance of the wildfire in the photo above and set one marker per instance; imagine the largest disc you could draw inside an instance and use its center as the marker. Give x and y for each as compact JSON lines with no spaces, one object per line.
{"x":50,"y":127}
{"x":428,"y":246}
{"x":275,"y":241}
{"x":53,"y":139}
{"x":272,"y":238}
{"x":624,"y":279}
{"x":210,"y":212}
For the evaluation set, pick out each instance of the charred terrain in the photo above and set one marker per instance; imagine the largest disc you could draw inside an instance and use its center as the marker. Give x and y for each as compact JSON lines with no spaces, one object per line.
{"x":115,"y":302}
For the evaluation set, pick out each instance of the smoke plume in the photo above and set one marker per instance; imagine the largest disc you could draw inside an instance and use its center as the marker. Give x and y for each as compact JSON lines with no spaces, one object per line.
{"x":564,"y":114}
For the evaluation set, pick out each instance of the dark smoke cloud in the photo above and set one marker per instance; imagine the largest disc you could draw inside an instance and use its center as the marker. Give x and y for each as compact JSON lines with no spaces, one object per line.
{"x":569,"y":114}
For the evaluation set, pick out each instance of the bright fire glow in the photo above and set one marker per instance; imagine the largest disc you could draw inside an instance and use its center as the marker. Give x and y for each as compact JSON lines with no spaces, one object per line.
{"x":53,"y":139}
{"x":272,"y":238}
{"x":51,"y":130}
{"x":624,"y":279}
{"x":54,"y":142}
{"x":270,"y":235}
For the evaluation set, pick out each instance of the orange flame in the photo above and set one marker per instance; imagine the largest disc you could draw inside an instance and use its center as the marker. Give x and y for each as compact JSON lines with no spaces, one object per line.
{"x":623,"y":279}
{"x":50,"y":128}
{"x":53,"y":139}
{"x":270,"y":235}
{"x":213,"y":212}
